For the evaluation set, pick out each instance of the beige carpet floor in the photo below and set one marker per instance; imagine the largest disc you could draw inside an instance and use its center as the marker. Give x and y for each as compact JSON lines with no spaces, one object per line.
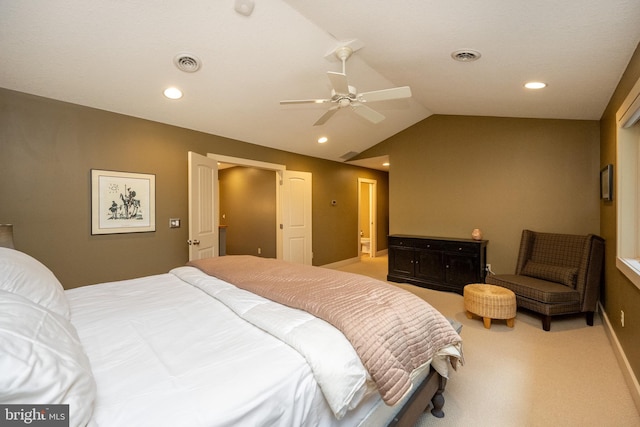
{"x":523,"y":376}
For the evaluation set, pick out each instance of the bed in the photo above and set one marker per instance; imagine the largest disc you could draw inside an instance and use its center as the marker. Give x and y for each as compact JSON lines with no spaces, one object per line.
{"x":192,"y":348}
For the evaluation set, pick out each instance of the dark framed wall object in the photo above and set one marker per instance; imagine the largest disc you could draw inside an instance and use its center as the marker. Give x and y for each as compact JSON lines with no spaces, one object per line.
{"x":606,"y":183}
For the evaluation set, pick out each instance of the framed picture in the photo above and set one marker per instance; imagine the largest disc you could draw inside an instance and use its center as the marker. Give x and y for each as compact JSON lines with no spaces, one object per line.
{"x":122,"y":202}
{"x":606,"y":183}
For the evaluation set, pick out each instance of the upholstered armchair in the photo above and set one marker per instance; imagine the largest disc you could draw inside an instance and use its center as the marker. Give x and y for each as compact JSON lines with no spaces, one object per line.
{"x":556,"y":274}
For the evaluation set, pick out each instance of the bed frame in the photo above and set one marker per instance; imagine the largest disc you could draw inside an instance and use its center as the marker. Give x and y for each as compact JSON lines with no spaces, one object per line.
{"x":430,"y":390}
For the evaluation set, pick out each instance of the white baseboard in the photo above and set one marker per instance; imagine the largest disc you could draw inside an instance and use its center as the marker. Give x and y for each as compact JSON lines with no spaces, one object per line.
{"x":627,"y":372}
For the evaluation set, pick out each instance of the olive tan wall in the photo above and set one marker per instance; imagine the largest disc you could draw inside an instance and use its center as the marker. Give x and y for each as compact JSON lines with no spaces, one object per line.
{"x":248,"y":209}
{"x":451,"y":174}
{"x":47,"y":149}
{"x":620,"y":293}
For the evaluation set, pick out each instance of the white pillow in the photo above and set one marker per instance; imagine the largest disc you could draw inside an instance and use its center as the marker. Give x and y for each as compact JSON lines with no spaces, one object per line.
{"x":23,"y":275}
{"x":42,"y":360}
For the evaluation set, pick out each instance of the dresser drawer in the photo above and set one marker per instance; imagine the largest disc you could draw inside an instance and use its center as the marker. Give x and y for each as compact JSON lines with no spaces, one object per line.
{"x":403,"y":241}
{"x":434,"y":245}
{"x":463,"y":248}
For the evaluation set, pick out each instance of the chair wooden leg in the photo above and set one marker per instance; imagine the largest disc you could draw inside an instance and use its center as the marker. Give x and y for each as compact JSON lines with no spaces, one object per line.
{"x":590,"y":318}
{"x":546,"y":323}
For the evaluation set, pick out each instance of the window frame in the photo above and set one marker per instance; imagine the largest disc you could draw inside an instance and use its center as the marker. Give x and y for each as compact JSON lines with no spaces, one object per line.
{"x":627,"y":186}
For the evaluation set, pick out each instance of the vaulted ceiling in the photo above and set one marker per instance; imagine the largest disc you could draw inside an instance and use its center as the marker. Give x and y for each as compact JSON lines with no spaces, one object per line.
{"x":118,"y":55}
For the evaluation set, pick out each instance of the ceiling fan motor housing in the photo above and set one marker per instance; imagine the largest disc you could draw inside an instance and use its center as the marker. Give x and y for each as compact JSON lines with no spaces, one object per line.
{"x":344,"y":52}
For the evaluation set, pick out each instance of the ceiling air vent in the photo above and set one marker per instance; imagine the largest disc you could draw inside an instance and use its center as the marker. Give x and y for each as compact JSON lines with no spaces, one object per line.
{"x":187,"y":62}
{"x":466,"y":55}
{"x":350,"y":154}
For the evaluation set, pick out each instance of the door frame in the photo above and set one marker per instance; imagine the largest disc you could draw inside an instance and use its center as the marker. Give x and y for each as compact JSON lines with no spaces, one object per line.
{"x":279,"y":169}
{"x":373,"y":220}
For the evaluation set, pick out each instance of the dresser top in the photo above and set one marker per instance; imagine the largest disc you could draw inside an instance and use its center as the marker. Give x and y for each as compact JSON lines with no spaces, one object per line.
{"x":444,"y":239}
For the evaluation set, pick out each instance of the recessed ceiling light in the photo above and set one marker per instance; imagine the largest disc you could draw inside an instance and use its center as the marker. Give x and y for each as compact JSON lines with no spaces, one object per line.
{"x":173,"y":93}
{"x":535,"y":85}
{"x":322,"y":140}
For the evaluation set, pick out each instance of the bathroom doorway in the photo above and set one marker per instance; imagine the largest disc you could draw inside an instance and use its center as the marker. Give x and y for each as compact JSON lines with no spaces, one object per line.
{"x":367,"y":222}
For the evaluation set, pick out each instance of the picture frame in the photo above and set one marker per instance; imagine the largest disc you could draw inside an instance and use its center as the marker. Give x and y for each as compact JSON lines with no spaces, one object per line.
{"x":122,"y":202}
{"x":606,"y":183}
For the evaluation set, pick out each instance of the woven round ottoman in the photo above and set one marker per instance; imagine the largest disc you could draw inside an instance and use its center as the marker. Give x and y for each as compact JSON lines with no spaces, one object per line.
{"x":490,"y":302}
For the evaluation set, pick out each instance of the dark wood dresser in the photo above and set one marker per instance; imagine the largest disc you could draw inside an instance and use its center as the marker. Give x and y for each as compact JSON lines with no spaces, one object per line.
{"x":440,"y":263}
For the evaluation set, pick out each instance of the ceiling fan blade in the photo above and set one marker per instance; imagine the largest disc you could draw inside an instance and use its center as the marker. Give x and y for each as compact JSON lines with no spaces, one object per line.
{"x":368,"y":113}
{"x":326,"y":116}
{"x":304,"y":101}
{"x":339,"y":82}
{"x":385,"y":94}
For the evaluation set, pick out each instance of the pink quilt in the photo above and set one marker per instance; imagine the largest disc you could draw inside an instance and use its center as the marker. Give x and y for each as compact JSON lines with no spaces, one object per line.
{"x":393,"y":331}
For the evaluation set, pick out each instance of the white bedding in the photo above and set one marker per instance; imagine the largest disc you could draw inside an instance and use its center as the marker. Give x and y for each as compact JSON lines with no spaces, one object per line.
{"x":339,"y":372}
{"x":177,"y":349}
{"x":148,"y":371}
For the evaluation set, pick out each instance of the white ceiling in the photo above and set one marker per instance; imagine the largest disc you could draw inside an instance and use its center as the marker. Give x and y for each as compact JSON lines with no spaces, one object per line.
{"x":117,"y":55}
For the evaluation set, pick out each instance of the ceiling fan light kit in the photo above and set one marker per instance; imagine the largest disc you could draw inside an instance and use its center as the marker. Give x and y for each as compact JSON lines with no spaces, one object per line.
{"x":343,"y":95}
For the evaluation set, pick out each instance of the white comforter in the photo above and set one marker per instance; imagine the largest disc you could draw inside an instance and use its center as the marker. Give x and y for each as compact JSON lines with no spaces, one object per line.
{"x":339,"y":371}
{"x":162,"y":355}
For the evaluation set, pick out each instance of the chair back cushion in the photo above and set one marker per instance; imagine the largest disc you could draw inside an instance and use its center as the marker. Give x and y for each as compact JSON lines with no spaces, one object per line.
{"x":560,"y":258}
{"x":552,"y":273}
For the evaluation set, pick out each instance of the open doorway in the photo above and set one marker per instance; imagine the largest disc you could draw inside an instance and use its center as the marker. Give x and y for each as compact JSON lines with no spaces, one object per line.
{"x":247,"y":211}
{"x":293,"y":205}
{"x":367,"y":221}
{"x":256,"y":175}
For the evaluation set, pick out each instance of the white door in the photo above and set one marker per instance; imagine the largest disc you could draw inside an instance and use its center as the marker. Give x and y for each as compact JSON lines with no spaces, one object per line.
{"x":203,"y":215}
{"x":296,"y":217}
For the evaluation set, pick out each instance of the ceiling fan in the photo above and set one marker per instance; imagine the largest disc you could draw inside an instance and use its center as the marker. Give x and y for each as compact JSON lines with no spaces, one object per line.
{"x":343,"y":95}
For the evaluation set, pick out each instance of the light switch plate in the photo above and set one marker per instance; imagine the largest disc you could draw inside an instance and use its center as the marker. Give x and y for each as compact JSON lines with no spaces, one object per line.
{"x":174,"y":222}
